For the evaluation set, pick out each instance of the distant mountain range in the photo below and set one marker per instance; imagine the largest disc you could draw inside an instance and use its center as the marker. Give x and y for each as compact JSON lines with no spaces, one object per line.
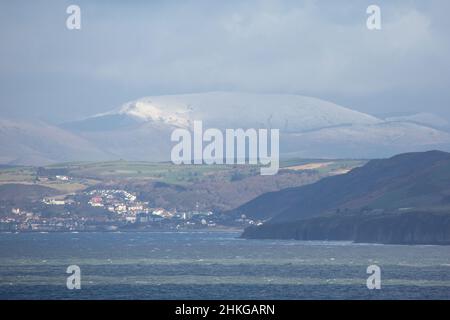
{"x":140,"y":130}
{"x":403,"y":199}
{"x":37,"y":143}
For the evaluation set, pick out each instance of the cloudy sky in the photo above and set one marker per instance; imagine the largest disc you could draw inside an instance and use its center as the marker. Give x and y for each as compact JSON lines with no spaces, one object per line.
{"x":129,"y":49}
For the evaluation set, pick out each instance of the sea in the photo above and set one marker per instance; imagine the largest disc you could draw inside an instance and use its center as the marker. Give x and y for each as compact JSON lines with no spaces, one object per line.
{"x":214,"y":265}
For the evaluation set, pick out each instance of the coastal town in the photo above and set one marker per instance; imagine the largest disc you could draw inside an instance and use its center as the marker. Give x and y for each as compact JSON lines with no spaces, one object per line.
{"x":142,"y":196}
{"x":109,"y":210}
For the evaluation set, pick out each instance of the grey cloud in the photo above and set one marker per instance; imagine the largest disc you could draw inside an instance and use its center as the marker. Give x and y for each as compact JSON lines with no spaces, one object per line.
{"x":126,"y":50}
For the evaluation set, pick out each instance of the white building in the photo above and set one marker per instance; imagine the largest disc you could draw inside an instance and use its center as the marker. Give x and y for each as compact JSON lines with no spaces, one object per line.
{"x":54,"y":202}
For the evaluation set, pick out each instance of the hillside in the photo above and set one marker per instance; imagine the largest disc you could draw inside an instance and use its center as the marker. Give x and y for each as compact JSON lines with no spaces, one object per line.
{"x":217,"y":188}
{"x":23,"y":192}
{"x":31,"y":143}
{"x":415,"y":182}
{"x":412,"y":179}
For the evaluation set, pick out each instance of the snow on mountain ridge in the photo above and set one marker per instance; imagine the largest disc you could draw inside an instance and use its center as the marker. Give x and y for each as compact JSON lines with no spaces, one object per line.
{"x":291,"y":113}
{"x":424,"y":118}
{"x":141,"y":129}
{"x":148,"y":111}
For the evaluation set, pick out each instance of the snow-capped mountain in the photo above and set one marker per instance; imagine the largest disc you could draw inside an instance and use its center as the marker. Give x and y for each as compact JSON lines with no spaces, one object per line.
{"x":290,"y":113}
{"x":141,"y":129}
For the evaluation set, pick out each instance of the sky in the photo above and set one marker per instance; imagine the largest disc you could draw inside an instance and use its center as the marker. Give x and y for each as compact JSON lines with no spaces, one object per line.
{"x":130,"y":49}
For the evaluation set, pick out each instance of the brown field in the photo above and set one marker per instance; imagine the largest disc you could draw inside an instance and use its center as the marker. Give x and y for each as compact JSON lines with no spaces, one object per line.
{"x":311,"y":166}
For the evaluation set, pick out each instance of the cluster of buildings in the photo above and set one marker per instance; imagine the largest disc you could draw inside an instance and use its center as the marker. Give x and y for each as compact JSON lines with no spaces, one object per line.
{"x":22,"y":220}
{"x":112,"y":209}
{"x":126,"y":206}
{"x":116,"y":201}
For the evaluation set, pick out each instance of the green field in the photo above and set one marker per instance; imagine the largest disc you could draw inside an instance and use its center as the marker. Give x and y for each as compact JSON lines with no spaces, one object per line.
{"x":85,"y":174}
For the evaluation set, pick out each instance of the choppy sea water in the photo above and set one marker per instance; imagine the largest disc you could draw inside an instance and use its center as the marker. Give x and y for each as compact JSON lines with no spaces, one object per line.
{"x":215,"y":265}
